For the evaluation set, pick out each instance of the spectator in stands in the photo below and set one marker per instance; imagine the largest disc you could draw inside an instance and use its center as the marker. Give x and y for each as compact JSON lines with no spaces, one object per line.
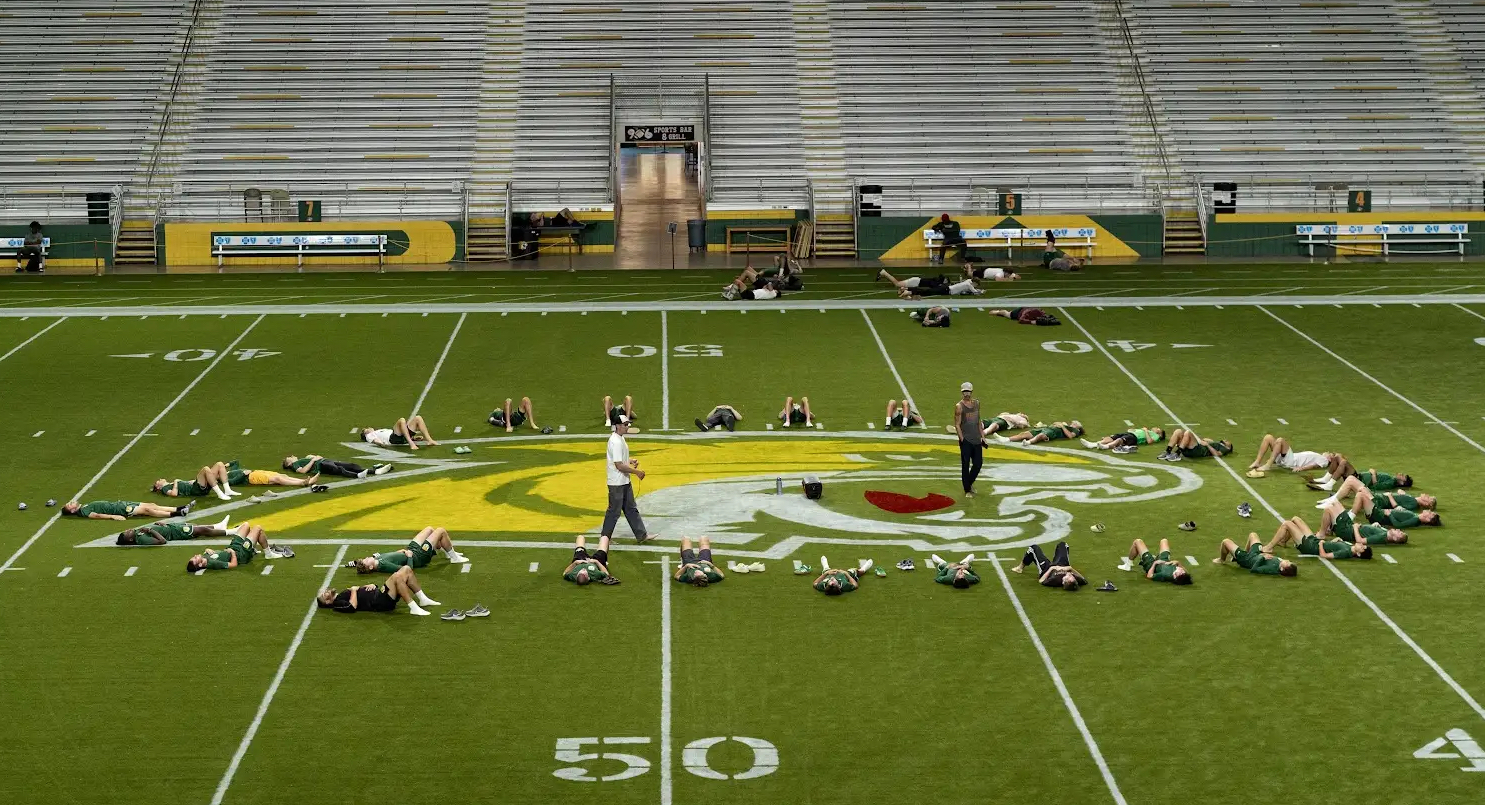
{"x":1028,"y":315}
{"x":953,"y":237}
{"x":30,"y":257}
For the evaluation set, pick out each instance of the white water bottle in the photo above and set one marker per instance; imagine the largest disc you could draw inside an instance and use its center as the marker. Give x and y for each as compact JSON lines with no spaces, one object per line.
{"x":778,"y":485}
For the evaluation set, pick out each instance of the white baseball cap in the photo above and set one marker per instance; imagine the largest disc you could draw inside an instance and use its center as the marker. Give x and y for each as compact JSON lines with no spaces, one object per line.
{"x":966,"y":386}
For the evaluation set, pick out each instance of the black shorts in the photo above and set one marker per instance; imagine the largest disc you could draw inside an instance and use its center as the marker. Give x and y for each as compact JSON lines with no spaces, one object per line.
{"x":796,"y":416}
{"x":378,"y":600}
{"x":689,"y":557}
{"x":582,"y":555}
{"x":1016,"y":312}
{"x":613,"y":414}
{"x":1126,"y":439}
{"x":397,"y":439}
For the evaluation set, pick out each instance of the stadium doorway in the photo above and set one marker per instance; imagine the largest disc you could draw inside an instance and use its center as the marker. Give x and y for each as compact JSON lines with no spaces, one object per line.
{"x":658,"y":184}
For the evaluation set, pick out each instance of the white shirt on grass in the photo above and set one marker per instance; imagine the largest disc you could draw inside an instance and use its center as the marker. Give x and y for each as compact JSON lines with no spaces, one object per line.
{"x":618,"y":453}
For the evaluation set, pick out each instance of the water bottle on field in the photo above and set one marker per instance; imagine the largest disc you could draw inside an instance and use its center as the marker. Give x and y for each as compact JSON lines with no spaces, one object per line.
{"x":778,"y":485}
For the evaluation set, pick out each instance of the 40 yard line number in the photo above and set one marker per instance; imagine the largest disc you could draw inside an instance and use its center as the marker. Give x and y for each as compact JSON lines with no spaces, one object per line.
{"x":693,"y":757}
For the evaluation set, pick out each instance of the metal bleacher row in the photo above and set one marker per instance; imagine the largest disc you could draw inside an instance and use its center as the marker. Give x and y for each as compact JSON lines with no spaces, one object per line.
{"x":938,"y":96}
{"x":658,"y":52}
{"x":82,"y":88}
{"x":391,"y":107}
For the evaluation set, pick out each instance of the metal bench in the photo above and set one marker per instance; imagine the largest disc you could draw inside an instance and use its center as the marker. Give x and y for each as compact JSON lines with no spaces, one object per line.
{"x":1012,"y":239}
{"x":297,"y":244}
{"x":1354,"y":237}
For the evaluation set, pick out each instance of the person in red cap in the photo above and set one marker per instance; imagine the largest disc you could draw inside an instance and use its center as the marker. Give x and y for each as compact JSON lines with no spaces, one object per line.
{"x":953,"y":237}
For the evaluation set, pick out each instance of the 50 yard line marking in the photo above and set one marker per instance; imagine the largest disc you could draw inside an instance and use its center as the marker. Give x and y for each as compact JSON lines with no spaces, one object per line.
{"x":438,"y":366}
{"x":1067,"y":701}
{"x":278,"y":678}
{"x":140,"y":435}
{"x":1370,"y":604}
{"x":901,"y":386}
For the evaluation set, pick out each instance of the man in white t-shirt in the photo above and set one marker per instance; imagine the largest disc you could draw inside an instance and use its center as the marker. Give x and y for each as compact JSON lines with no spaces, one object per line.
{"x":620,"y":491}
{"x":1282,"y":454}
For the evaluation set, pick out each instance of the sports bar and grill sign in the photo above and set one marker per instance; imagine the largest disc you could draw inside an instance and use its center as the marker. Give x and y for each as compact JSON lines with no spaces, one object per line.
{"x":659,"y":134}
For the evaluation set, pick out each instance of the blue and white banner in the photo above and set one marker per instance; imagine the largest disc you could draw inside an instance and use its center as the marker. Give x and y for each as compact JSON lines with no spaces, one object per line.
{"x":1014,"y":234}
{"x":298,"y":240}
{"x":16,"y":243}
{"x":1382,"y":229}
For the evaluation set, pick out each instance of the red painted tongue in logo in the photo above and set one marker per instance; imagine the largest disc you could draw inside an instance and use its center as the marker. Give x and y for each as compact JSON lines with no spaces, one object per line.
{"x":898,"y":503}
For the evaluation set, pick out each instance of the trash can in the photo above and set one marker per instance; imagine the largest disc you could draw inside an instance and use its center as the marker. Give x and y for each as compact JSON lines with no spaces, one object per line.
{"x":696,"y":234}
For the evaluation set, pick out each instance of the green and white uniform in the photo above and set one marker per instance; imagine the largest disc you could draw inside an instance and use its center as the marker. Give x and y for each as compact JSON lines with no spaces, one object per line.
{"x":1165,"y":572}
{"x":595,"y":571}
{"x":172,"y":532}
{"x":1397,"y":518}
{"x":847,"y":581}
{"x":422,"y":554}
{"x":946,"y":573}
{"x":1054,"y":432}
{"x":707,"y":569}
{"x":1256,"y":561}
{"x":1310,"y":546}
{"x":1383,"y":482}
{"x":221,"y":560}
{"x":117,"y":508}
{"x":1374,"y":534}
{"x":1396,"y":500}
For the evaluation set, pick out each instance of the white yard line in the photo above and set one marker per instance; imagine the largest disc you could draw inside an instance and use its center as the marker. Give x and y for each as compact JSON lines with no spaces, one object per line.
{"x":278,"y":678}
{"x":1364,"y":290}
{"x":1383,"y":386}
{"x":664,"y":371}
{"x":1284,"y":290}
{"x":1197,"y":291}
{"x":901,"y":386}
{"x":1449,"y":290}
{"x":665,"y":681}
{"x":1471,"y":312}
{"x":1067,"y":700}
{"x":17,"y":347}
{"x":140,"y":435}
{"x":1368,"y":602}
{"x":438,"y":366}
{"x":94,"y":302}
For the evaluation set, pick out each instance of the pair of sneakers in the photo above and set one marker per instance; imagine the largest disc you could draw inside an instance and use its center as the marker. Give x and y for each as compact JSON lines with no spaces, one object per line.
{"x":1171,"y":456}
{"x":476,"y":611}
{"x":739,"y":567}
{"x":278,"y":552}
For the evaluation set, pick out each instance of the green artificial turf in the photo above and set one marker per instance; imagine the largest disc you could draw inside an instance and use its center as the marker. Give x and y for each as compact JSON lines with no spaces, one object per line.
{"x":126,"y":680}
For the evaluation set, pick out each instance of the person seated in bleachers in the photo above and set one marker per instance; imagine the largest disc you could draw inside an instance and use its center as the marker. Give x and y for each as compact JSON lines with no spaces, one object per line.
{"x":30,"y":257}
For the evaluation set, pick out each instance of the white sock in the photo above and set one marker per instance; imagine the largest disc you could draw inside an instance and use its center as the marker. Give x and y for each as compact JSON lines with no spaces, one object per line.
{"x":221,"y":495}
{"x":363,"y":473}
{"x":412,"y":606}
{"x":454,"y":556}
{"x":425,"y":600}
{"x":222,"y":526}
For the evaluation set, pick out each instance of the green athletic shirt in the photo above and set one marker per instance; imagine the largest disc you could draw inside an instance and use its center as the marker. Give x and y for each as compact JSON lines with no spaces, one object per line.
{"x":689,"y":574}
{"x":1146,"y":436}
{"x":1266,"y":565}
{"x":308,"y":466}
{"x":1374,"y":534}
{"x":237,"y":477}
{"x":390,"y":562}
{"x":171,"y":531}
{"x":219,"y":560}
{"x":1054,"y":432}
{"x":185,"y":489}
{"x":1398,"y":500}
{"x":1310,"y":546}
{"x":595,"y":571}
{"x":1147,"y":559}
{"x":946,"y":575}
{"x":1383,"y":483}
{"x":142,"y":536}
{"x":847,"y":584}
{"x":118,"y":508}
{"x":1397,"y":518}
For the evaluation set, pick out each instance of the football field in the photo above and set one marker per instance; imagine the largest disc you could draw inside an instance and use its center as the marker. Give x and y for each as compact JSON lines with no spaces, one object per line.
{"x":127,"y":680}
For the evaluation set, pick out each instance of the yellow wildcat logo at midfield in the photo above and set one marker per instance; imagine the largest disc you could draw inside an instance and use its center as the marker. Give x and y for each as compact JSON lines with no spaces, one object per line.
{"x":724,"y":487}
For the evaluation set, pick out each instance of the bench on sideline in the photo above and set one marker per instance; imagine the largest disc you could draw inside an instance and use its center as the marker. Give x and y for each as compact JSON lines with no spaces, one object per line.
{"x":300,"y":245}
{"x":1011,"y":239}
{"x":10,"y":247}
{"x":1456,"y":236}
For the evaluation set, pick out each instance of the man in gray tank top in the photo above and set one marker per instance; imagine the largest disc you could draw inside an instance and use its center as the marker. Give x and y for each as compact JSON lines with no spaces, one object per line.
{"x":971,"y":438}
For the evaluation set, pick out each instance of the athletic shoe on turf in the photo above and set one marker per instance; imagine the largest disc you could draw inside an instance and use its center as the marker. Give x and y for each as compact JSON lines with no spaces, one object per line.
{"x":880,"y":572}
{"x":736,"y":568}
{"x":1126,"y":565}
{"x":906,"y":564}
{"x":477,"y":611}
{"x":803,"y":570}
{"x":756,"y":567}
{"x":1244,"y":510}
{"x":1097,"y":528}
{"x":1108,"y":587}
{"x":546,"y":431}
{"x":1176,"y":457}
{"x":319,"y":488}
{"x":269,"y":493}
{"x":877,"y":278}
{"x":702,"y":426}
{"x":381,"y":469}
{"x":609,"y":580}
{"x":286,"y":551}
{"x":1189,"y":525}
{"x":452,"y":615}
{"x":271,"y":553}
{"x":1255,"y":473}
{"x":1124,"y":449}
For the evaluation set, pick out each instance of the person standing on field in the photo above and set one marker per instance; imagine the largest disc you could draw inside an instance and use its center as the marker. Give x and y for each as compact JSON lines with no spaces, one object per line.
{"x":971,"y":438}
{"x":620,"y":490}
